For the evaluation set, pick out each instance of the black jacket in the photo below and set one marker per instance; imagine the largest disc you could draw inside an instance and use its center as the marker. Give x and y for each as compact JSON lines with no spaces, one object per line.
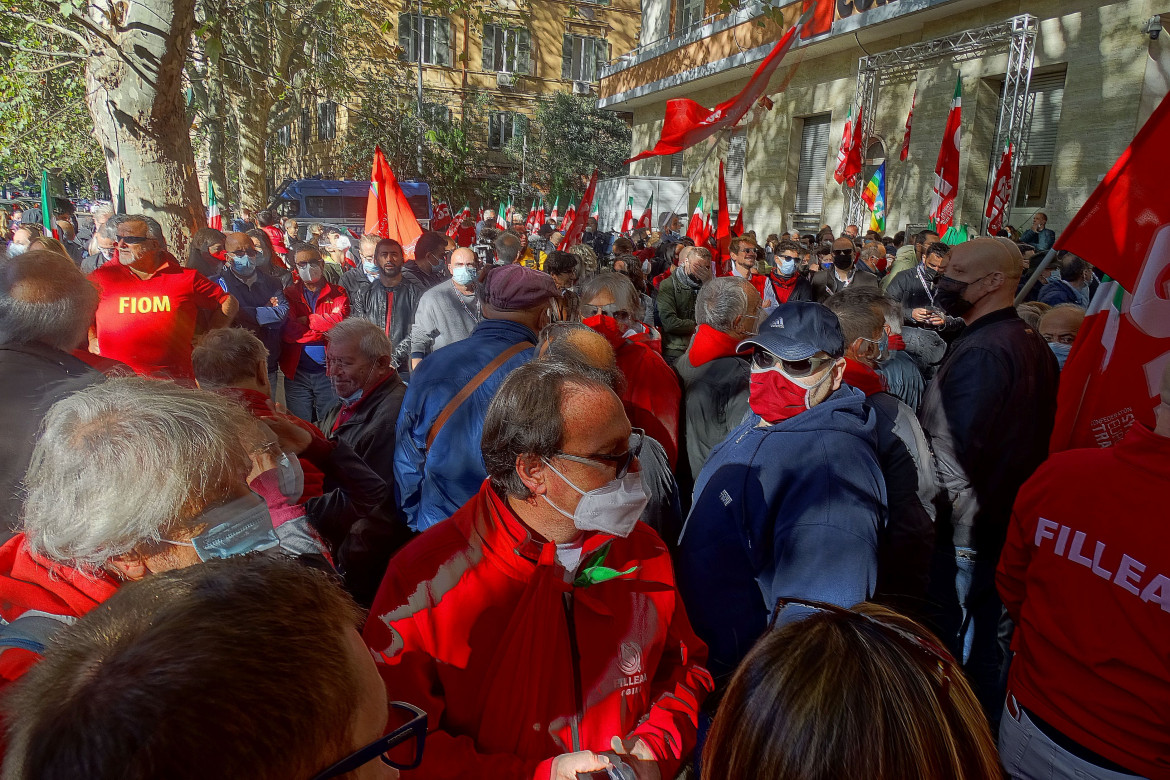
{"x":909,"y":289}
{"x":369,"y":431}
{"x":715,"y":401}
{"x":352,"y":281}
{"x":825,"y":283}
{"x":371,"y":303}
{"x":416,"y":275}
{"x":988,"y":415}
{"x":32,"y":378}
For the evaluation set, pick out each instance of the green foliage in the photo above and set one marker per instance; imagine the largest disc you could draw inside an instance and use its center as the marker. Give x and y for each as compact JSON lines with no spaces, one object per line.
{"x":44,"y":122}
{"x":568,"y":137}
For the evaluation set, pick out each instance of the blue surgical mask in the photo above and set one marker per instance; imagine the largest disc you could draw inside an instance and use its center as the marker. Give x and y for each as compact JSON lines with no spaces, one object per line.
{"x":1054,"y":275}
{"x":235,"y":528}
{"x":786,"y":266}
{"x":463,"y":274}
{"x":243,"y":265}
{"x":370,"y":267}
{"x":1061,"y":351}
{"x":352,"y":398}
{"x":15,"y":249}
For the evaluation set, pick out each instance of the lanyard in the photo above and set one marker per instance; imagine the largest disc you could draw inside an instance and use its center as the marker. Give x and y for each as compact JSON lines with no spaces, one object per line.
{"x":925,"y":286}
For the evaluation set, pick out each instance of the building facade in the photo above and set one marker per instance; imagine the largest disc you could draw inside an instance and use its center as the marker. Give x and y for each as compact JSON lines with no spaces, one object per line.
{"x":1094,"y":73}
{"x":507,"y":55}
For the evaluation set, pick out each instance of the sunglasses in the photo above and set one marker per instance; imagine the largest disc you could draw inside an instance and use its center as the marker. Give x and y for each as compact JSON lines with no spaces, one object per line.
{"x":842,"y":253}
{"x":132,"y":239}
{"x":402,"y":748}
{"x":766,"y":361}
{"x":620,"y":462}
{"x":311,"y":264}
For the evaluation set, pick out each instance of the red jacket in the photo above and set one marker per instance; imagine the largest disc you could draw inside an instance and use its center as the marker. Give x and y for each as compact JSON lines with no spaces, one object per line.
{"x":332,"y":307}
{"x":475,"y":623}
{"x":1085,"y":575}
{"x":276,"y":235}
{"x":30,"y":582}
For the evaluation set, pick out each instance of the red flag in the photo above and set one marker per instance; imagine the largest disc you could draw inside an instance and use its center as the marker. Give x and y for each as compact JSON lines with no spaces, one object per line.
{"x":695,"y":226}
{"x":687,"y":123}
{"x":570,"y":214}
{"x":457,"y":222}
{"x":530,"y":220}
{"x":722,"y":222}
{"x":479,"y":215}
{"x":577,"y":226}
{"x":388,"y":212}
{"x":737,"y":228}
{"x":822,"y":17}
{"x":628,"y":218}
{"x":843,"y":149}
{"x":906,"y":137}
{"x":856,"y":157}
{"x":1001,"y":193}
{"x":1111,"y":379}
{"x":647,"y":218}
{"x":946,"y":170}
{"x":540,"y":215}
{"x":442,"y":218}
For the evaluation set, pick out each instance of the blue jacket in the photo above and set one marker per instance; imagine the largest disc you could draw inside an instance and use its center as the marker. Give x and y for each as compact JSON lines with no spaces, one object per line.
{"x":1056,"y":293}
{"x":256,"y":312}
{"x":431,"y":485}
{"x":794,"y":510}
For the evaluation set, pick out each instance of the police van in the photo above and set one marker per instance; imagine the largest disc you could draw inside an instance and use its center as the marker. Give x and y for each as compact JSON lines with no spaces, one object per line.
{"x":341,"y":203}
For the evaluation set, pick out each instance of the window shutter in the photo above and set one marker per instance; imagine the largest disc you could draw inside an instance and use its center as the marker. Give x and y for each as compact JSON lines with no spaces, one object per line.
{"x":406,"y":37}
{"x":814,"y":155}
{"x":448,"y":41}
{"x":736,"y":154}
{"x":1047,"y":92}
{"x":676,"y":164}
{"x":523,"y":52}
{"x":490,"y":31}
{"x":601,"y":52}
{"x":493,"y":130}
{"x":567,"y":57}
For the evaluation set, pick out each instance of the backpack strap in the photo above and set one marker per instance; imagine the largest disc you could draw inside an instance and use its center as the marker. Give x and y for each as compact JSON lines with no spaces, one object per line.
{"x":32,"y":631}
{"x":471,"y":387}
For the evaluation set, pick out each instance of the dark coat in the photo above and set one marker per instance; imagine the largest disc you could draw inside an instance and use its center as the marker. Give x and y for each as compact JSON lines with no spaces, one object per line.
{"x":370,"y":304}
{"x":825,"y":283}
{"x":715,"y":400}
{"x":32,"y":378}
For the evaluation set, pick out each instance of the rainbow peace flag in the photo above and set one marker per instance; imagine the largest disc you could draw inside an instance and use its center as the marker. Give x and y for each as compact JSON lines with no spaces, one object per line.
{"x":874,"y":196}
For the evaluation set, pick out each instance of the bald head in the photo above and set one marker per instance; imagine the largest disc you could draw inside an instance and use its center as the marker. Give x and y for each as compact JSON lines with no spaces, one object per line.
{"x":989,"y":255}
{"x":462,"y":256}
{"x":578,"y":343}
{"x":1060,"y":323}
{"x":45,"y":299}
{"x":235,"y":243}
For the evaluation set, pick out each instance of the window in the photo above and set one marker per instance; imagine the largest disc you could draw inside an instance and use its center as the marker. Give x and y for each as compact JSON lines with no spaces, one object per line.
{"x":736,"y":155}
{"x":326,"y":121}
{"x":810,"y":176}
{"x":503,"y":126}
{"x":284,"y":135}
{"x":505,"y":49}
{"x":436,"y":114}
{"x":688,"y":13}
{"x":436,"y":38}
{"x":582,"y":57}
{"x":306,"y":126}
{"x":1045,"y":94}
{"x":676,"y":164}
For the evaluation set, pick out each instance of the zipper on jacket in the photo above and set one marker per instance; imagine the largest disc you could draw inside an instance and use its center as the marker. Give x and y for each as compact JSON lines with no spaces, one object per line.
{"x":575,"y":661}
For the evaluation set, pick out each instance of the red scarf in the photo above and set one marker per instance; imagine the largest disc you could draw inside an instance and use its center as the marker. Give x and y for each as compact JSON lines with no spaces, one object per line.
{"x":782,"y":286}
{"x":710,"y":344}
{"x":863,"y":377}
{"x":897,"y":344}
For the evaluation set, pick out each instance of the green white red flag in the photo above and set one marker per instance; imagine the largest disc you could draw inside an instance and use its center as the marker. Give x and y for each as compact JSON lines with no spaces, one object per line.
{"x":647,"y":218}
{"x":1112,"y":376}
{"x":214,"y":218}
{"x":695,"y":231}
{"x":946,"y":170}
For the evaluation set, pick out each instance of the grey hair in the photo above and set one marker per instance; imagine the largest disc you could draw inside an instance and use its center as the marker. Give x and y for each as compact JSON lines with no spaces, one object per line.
{"x":121,"y":465}
{"x":105,"y":208}
{"x":507,"y":248}
{"x":620,"y":287}
{"x":153,"y":228}
{"x":225,"y":356}
{"x":45,"y":301}
{"x":110,"y":229}
{"x":371,"y":340}
{"x":720,"y":301}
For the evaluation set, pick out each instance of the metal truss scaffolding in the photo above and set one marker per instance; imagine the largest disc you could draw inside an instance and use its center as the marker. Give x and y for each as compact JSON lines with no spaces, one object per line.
{"x":1017,"y":35}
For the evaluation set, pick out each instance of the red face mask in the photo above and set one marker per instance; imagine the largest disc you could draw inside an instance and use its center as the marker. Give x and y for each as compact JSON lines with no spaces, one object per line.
{"x":776,"y":398}
{"x":221,"y":255}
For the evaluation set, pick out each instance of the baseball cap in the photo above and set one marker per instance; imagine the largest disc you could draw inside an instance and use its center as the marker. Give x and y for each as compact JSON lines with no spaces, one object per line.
{"x":514,"y":287}
{"x":799,"y":330}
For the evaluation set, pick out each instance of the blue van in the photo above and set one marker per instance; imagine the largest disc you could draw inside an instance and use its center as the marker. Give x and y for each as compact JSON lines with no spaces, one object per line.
{"x":341,"y":203}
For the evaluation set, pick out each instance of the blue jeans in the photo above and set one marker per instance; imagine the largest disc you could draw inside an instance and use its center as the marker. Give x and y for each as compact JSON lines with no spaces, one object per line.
{"x":1027,"y":753}
{"x":967,"y":612}
{"x":309,"y":395}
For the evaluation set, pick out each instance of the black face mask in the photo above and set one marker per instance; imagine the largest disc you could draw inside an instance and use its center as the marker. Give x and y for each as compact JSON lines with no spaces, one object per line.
{"x":843,"y":261}
{"x":948,"y":296}
{"x":929,"y":274}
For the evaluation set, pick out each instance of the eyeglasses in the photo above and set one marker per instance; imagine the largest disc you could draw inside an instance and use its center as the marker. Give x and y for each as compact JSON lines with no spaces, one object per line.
{"x":610,"y":310}
{"x":914,"y":642}
{"x":402,"y":748}
{"x":842,"y":253}
{"x":766,"y":361}
{"x":310,"y":264}
{"x":245,"y":253}
{"x":621,"y":462}
{"x":132,"y":239}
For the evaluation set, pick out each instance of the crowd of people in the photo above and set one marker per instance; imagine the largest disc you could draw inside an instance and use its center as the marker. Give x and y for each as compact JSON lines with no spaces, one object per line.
{"x":641,"y":509}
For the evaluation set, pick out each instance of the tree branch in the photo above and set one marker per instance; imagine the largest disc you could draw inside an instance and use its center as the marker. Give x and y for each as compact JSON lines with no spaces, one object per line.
{"x":54,"y":27}
{"x":67,"y":54}
{"x":57,"y":66}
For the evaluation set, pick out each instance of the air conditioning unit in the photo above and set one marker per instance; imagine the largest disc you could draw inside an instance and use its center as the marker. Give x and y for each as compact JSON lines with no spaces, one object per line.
{"x":582,"y":88}
{"x":505,"y":80}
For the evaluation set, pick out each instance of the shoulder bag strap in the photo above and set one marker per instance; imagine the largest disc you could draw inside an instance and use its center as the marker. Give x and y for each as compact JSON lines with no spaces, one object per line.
{"x":471,"y":387}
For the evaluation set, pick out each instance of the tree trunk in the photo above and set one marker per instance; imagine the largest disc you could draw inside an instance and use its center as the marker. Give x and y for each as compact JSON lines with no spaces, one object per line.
{"x":252,"y":119}
{"x":217,"y":144}
{"x":134,"y":91}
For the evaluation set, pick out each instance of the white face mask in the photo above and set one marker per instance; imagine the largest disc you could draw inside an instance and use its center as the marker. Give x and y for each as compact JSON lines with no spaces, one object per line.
{"x":613,"y":508}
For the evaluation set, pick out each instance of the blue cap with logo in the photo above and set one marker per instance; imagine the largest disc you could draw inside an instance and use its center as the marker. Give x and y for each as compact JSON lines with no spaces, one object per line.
{"x":799,"y":330}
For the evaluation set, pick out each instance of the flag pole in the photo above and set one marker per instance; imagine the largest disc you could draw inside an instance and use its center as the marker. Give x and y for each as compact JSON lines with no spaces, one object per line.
{"x":1035,"y":277}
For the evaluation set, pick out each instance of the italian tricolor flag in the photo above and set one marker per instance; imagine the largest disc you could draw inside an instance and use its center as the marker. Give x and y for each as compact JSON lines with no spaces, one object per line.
{"x":696,"y":227}
{"x":214,"y":218}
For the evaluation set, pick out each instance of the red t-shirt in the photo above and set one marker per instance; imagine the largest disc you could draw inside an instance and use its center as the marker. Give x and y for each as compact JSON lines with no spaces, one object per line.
{"x":149,"y":323}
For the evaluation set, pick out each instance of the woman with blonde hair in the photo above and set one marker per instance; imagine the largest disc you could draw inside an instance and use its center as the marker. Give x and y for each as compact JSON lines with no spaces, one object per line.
{"x":836,"y":693}
{"x":49,"y":244}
